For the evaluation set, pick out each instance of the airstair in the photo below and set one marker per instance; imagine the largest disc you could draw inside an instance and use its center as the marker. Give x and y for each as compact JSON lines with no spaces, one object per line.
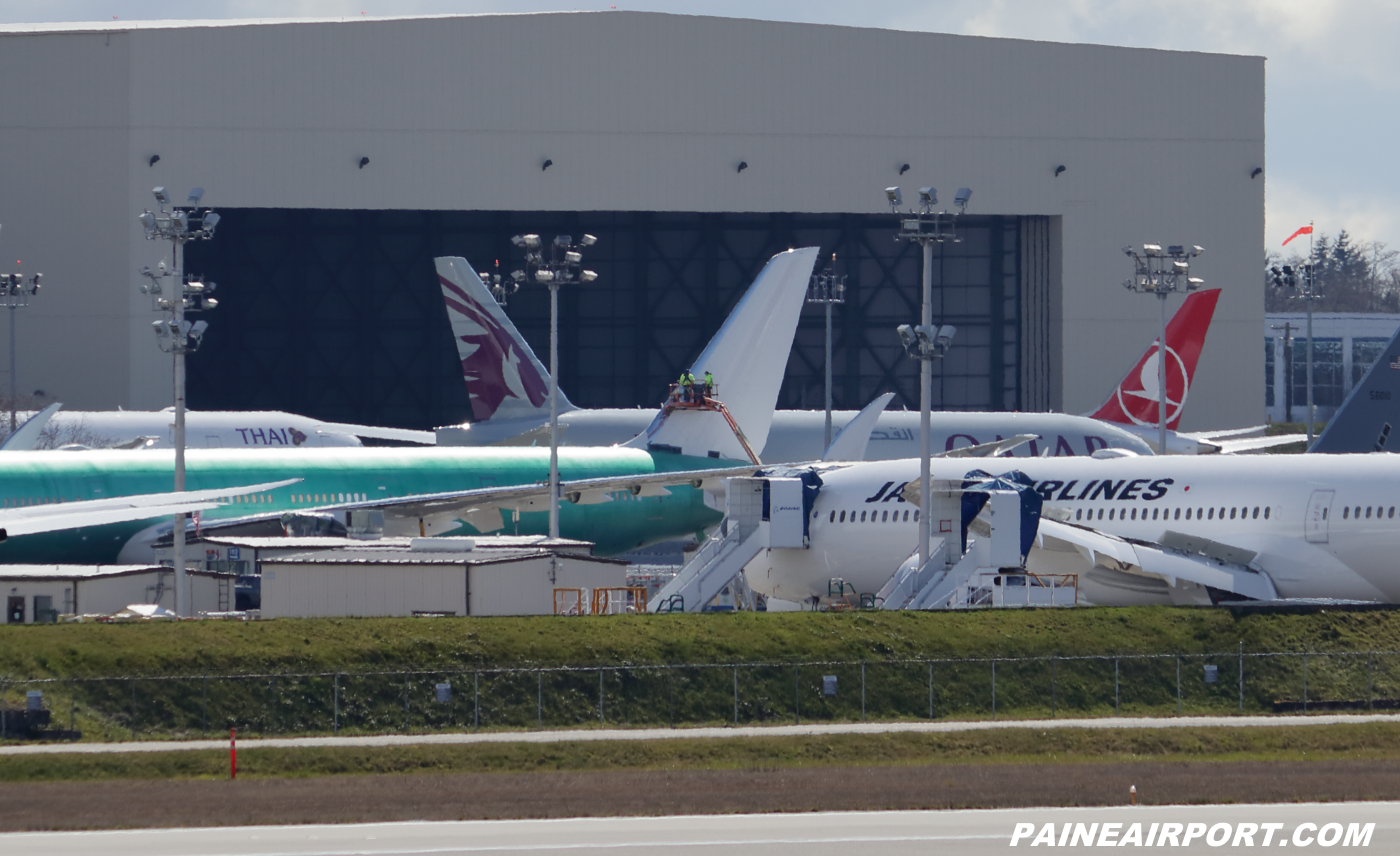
{"x":953,"y":578}
{"x":760,"y":513}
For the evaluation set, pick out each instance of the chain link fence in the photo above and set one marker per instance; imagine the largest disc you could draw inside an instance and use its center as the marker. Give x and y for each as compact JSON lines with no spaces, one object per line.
{"x":173,"y":707}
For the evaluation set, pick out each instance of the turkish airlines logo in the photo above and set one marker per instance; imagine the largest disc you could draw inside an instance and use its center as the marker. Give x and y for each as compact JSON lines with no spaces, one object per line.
{"x":494,"y":366}
{"x":1140,"y":404}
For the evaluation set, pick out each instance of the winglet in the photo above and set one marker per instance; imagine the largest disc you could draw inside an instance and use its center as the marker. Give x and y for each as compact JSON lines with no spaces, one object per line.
{"x":27,"y":435}
{"x":1368,"y":418}
{"x":504,"y":378}
{"x":1134,"y":400}
{"x":849,"y":445}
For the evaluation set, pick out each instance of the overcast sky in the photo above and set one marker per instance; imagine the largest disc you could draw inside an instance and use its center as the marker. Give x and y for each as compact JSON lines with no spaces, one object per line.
{"x":1333,"y":71}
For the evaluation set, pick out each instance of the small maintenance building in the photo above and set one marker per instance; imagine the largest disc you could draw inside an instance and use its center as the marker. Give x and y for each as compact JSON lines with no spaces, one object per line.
{"x":37,"y":594}
{"x":433,"y":576}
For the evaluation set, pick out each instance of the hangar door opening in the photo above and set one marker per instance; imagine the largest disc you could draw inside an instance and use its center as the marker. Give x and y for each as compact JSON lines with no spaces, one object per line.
{"x":337,"y":314}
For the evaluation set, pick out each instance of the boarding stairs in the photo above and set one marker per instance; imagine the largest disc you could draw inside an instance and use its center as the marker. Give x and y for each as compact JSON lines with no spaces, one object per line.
{"x":760,"y":513}
{"x":952,"y":578}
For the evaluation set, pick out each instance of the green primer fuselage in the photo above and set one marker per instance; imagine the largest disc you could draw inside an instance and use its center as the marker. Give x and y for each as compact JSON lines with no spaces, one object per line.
{"x":330,"y":476}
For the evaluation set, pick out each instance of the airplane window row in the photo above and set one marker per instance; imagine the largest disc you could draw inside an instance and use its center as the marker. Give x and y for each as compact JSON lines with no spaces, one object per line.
{"x":1347,"y":512}
{"x":1174,"y":514}
{"x":876,"y":516}
{"x":20,"y":501}
{"x":328,"y":497}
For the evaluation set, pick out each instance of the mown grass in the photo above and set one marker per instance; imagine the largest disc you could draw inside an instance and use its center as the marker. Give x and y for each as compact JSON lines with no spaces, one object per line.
{"x":1367,"y":741}
{"x":369,"y":644}
{"x":307,"y":677}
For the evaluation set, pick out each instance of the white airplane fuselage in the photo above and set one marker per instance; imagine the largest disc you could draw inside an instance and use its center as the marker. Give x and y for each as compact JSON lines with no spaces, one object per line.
{"x":799,"y":435}
{"x":216,"y":429}
{"x":862,"y":529}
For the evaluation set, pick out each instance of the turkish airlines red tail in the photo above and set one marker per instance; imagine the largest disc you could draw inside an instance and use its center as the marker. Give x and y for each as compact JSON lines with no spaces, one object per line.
{"x":1135,"y":400}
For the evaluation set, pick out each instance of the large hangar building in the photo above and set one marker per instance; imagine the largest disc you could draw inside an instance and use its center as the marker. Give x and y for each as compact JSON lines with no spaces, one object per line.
{"x":345,"y":154}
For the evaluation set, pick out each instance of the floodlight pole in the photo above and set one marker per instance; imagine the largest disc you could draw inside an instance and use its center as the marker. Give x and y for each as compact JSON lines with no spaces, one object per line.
{"x":15,"y":292}
{"x":1162,"y":273}
{"x":179,"y":226}
{"x":554,"y":410}
{"x":561,"y":266}
{"x":927,"y":228}
{"x":827,"y":289}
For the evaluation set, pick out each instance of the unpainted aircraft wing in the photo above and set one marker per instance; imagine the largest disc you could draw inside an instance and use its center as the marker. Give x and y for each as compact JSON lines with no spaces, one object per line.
{"x":59,"y":516}
{"x":1206,"y":563}
{"x":481,"y":506}
{"x":850,"y":444}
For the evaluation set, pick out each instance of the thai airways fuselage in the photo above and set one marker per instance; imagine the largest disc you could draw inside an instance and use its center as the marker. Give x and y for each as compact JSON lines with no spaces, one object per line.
{"x":1323,"y":527}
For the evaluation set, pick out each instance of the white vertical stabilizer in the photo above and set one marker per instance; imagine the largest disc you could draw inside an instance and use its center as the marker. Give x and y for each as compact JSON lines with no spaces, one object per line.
{"x":748,"y":357}
{"x":504,"y":379}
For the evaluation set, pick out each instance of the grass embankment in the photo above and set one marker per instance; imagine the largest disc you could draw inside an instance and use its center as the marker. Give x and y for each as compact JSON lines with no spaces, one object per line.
{"x":307,"y":683}
{"x":369,"y":644}
{"x":1369,"y":741}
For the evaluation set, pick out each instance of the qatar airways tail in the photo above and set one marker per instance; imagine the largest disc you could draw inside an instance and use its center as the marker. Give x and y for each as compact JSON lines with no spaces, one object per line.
{"x":1134,"y":403}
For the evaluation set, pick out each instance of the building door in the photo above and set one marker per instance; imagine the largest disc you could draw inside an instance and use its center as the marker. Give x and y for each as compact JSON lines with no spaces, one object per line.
{"x":14,"y":610}
{"x":1315,"y":526}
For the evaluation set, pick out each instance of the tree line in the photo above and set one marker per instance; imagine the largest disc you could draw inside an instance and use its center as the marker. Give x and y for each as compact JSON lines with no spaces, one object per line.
{"x":1350,"y":276}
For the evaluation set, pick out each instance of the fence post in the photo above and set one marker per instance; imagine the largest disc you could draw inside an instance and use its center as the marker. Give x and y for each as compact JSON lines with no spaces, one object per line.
{"x":1116,"y":696}
{"x":862,"y":690}
{"x":3,"y":683}
{"x":1178,"y":685}
{"x":1370,"y":685}
{"x":1053,"y":666}
{"x":796,"y":694}
{"x":73,"y":705}
{"x":671,"y":688}
{"x":203,"y":707}
{"x":601,"y":718}
{"x":736,"y":700}
{"x":994,"y":689}
{"x":133,"y":708}
{"x":1241,"y":676}
{"x":930,"y":690}
{"x":476,"y":700}
{"x":272,"y":715}
{"x":335,"y":703}
{"x":1305,"y":682}
{"x":405,"y":702}
{"x":539,"y":698}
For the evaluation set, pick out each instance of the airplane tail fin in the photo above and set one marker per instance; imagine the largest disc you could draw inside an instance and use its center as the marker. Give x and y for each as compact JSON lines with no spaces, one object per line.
{"x":748,"y":357}
{"x":504,"y":378}
{"x":1367,"y":419}
{"x":1134,"y":401}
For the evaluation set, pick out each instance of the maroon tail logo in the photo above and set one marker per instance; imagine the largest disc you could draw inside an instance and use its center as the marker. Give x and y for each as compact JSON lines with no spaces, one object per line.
{"x":496,"y":368}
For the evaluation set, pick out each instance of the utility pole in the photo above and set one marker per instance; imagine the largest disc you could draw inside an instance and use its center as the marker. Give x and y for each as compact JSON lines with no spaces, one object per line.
{"x":1288,"y":330}
{"x":1301,"y":279}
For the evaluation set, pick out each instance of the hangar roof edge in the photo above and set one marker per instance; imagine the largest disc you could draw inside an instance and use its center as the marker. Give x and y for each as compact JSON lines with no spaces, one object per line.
{"x":117,"y":25}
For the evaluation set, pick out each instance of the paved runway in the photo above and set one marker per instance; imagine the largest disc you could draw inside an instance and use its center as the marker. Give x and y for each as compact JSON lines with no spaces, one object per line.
{"x":815,"y":834}
{"x":813,"y":730}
